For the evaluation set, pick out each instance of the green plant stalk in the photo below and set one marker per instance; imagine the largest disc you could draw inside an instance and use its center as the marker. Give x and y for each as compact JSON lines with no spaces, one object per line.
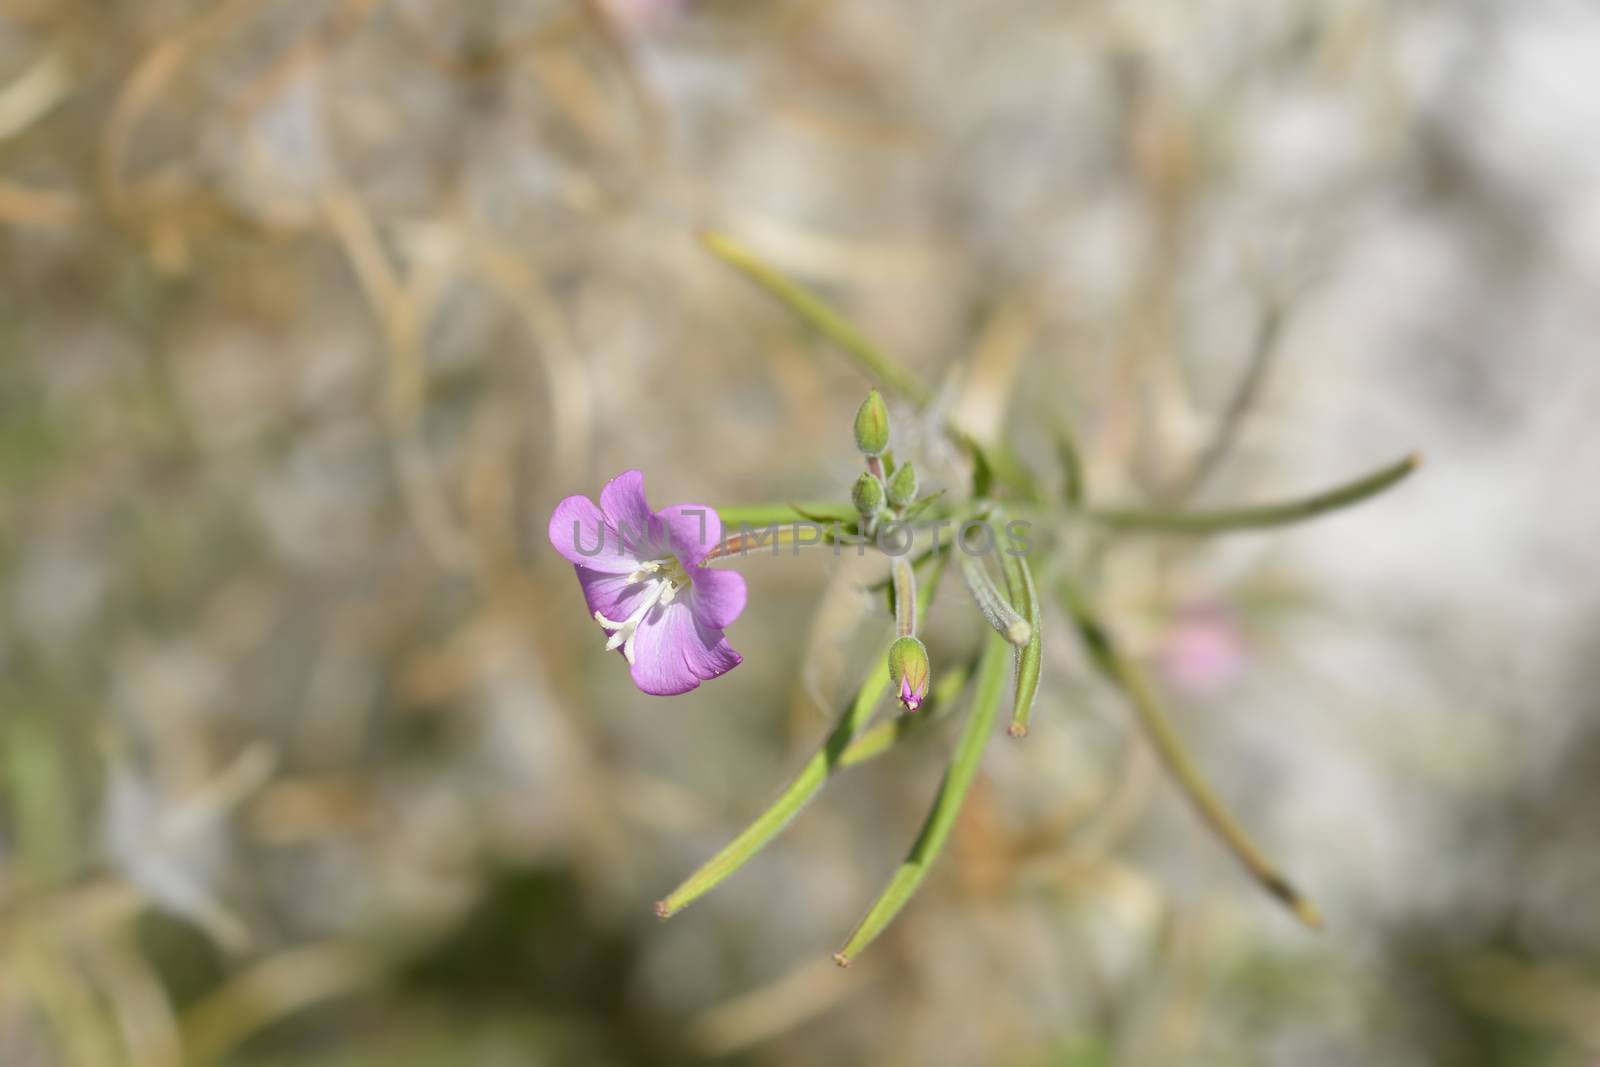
{"x":759,"y":515}
{"x":805,"y":785}
{"x":773,"y":538}
{"x":905,"y":597}
{"x":1169,"y":746}
{"x":1030,"y":657}
{"x":816,"y":313}
{"x":946,"y":804}
{"x":1201,"y":523}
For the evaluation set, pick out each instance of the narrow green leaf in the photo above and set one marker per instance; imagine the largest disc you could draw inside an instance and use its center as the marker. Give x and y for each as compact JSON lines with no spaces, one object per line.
{"x":805,"y":785}
{"x":946,"y":804}
{"x":982,"y":468}
{"x":996,"y":462}
{"x":1200,"y":523}
{"x":817,"y":314}
{"x":1030,"y":657}
{"x":1243,"y":398}
{"x":1174,"y":754}
{"x":915,"y":511}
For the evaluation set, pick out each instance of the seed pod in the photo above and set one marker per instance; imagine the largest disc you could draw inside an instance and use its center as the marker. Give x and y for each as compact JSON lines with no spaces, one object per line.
{"x":997,"y":612}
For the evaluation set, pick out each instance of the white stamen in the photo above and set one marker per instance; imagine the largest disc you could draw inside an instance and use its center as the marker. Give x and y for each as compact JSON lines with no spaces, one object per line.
{"x":644,"y":571}
{"x":659,"y":591}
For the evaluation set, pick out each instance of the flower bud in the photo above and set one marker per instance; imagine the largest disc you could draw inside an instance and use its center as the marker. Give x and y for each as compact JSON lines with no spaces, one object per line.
{"x":867,"y":495}
{"x":872,"y":425}
{"x":908,"y":668}
{"x":903,"y":486}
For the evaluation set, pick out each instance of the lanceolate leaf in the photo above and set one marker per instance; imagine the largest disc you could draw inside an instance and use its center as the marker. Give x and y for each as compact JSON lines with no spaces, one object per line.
{"x":946,"y":804}
{"x":1071,"y":465}
{"x":1200,"y":523}
{"x":1030,"y":657}
{"x":816,"y":313}
{"x":1163,"y":736}
{"x":806,"y":785}
{"x":897,"y":379}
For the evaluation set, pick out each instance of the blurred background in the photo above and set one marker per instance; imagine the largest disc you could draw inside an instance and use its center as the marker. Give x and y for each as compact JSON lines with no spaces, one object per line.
{"x":311,"y":311}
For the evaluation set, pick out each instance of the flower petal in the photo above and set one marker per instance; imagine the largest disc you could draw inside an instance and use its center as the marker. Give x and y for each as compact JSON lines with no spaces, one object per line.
{"x":718,"y":596}
{"x":711,"y":656}
{"x":628,"y":512}
{"x":612,"y":595}
{"x":579,"y":531}
{"x":661,"y":649}
{"x":694,"y":530}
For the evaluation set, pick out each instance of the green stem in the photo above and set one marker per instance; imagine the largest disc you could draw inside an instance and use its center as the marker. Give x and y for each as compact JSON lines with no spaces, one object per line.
{"x":946,"y":804}
{"x":1200,"y":523}
{"x":905,"y":597}
{"x":1169,"y":746}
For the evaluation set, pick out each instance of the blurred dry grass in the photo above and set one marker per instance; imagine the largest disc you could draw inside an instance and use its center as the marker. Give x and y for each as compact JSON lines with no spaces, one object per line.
{"x":310,"y":312}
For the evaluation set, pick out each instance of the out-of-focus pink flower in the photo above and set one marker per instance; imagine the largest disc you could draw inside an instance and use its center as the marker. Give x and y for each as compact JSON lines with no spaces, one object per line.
{"x":645,"y":582}
{"x":1203,"y":650}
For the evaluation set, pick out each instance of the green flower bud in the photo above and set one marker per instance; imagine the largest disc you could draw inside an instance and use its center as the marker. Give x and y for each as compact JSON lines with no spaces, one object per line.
{"x":903,"y":486}
{"x":909,"y":669}
{"x":867,"y":494}
{"x":872,"y":425}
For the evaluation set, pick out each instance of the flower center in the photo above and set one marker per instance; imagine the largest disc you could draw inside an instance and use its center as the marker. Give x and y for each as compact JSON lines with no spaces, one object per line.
{"x":662,"y":578}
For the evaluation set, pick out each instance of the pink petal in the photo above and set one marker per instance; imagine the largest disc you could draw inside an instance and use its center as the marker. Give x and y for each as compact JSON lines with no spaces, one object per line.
{"x":672,"y":652}
{"x":622,"y":499}
{"x":711,"y":656}
{"x":612,"y":595}
{"x":694,"y":529}
{"x":579,"y":531}
{"x":718,"y":596}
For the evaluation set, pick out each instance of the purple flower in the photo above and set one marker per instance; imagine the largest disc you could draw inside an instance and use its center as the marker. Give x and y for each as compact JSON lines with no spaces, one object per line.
{"x":643,"y":576}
